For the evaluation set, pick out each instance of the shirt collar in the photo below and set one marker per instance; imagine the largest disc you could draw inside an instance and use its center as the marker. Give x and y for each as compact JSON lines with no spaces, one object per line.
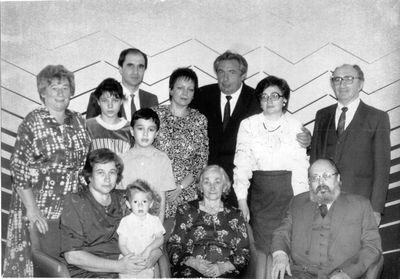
{"x":352,"y":106}
{"x":127,"y":92}
{"x":234,"y":94}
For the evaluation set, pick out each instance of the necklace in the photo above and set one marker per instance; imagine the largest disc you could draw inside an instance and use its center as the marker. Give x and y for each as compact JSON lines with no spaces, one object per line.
{"x":270,"y":131}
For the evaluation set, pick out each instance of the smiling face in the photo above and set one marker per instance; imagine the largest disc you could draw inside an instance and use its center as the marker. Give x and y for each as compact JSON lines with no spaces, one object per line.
{"x":103,"y":178}
{"x":270,"y":106}
{"x":182,"y":93}
{"x":56,"y":95}
{"x":144,"y":132}
{"x":109,"y":105}
{"x":213,"y":185}
{"x":229,"y":76}
{"x":132,"y":70}
{"x":140,"y":203}
{"x":347,"y":92}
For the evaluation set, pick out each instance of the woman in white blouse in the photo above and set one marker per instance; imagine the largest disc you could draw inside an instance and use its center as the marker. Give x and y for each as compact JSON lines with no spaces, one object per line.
{"x":269,"y":160}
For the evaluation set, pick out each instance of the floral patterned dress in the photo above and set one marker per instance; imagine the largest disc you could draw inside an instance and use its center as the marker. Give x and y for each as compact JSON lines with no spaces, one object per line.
{"x":185,"y":141}
{"x":220,"y":237}
{"x":48,"y":158}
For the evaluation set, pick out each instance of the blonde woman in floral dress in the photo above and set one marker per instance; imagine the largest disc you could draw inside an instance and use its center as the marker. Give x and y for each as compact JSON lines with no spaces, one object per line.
{"x":49,"y":154}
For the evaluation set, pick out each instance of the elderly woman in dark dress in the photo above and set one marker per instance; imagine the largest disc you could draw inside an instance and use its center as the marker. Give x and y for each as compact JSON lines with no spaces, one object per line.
{"x":49,"y":154}
{"x":89,"y":222}
{"x":210,"y":237}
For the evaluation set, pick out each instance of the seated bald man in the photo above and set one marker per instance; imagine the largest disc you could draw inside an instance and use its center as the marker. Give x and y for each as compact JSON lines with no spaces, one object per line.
{"x":326,"y":233}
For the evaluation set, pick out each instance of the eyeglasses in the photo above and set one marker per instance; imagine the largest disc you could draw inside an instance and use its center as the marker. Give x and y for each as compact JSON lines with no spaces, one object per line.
{"x":345,"y":79}
{"x":325,"y":176}
{"x":273,"y":97}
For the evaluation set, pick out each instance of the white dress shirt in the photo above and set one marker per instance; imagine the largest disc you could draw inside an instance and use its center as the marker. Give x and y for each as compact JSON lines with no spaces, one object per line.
{"x":127,"y":101}
{"x":352,"y":107}
{"x":235,"y":96}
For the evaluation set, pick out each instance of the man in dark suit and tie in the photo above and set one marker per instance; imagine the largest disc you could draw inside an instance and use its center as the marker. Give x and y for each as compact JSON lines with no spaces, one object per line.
{"x":357,"y":137}
{"x":132,"y":66}
{"x":326,"y":233}
{"x":226,"y":104}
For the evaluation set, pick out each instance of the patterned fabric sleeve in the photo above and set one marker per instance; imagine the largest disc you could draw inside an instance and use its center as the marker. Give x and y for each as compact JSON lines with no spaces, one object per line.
{"x":23,"y":154}
{"x":201,"y":158}
{"x":243,"y":161}
{"x":177,"y":246}
{"x":240,"y":243}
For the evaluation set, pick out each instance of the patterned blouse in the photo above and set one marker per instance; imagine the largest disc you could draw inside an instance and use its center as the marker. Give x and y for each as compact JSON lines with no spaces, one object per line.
{"x":48,"y":158}
{"x":220,"y":237}
{"x":185,"y":141}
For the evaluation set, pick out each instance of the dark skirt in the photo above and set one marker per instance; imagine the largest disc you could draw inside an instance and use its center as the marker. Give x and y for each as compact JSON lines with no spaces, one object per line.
{"x":270,"y":194}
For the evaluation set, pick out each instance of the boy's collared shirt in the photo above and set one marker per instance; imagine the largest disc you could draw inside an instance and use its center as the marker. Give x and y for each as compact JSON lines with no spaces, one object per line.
{"x":149,"y":164}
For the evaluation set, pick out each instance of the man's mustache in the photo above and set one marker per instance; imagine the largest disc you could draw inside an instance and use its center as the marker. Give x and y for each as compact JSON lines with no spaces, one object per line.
{"x":322,"y":187}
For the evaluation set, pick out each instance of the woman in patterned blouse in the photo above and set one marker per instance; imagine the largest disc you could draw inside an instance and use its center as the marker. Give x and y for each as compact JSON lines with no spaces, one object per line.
{"x":50,"y":152}
{"x":183,"y":136}
{"x":269,"y":163}
{"x":210,"y":237}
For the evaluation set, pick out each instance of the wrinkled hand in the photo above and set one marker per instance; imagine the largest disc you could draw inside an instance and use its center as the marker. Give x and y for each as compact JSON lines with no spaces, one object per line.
{"x":200,"y":265}
{"x":173,"y":195}
{"x":214,"y":270}
{"x":340,"y":275}
{"x":280,"y":264}
{"x":36,"y":218}
{"x":245,"y":209}
{"x":304,"y":138}
{"x":378,"y":217}
{"x":131,"y":264}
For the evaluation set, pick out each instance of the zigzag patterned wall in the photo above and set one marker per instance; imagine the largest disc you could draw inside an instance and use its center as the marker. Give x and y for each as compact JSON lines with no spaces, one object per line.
{"x":301,"y":42}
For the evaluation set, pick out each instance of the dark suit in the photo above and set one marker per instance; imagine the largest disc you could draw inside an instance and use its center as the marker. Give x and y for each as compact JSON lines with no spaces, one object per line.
{"x":222,"y":144}
{"x":353,"y":241}
{"x":362,"y":153}
{"x":146,"y":100}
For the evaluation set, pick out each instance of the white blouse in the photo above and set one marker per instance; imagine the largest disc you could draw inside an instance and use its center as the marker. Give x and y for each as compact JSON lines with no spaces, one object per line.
{"x":269,"y":145}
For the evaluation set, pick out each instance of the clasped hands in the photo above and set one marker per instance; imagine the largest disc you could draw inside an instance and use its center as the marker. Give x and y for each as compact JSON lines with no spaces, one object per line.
{"x":207,"y":268}
{"x":133,"y":264}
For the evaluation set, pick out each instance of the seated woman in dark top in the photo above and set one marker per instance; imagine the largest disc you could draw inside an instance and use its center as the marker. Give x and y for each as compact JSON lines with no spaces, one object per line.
{"x":90,"y":219}
{"x":210,"y":238}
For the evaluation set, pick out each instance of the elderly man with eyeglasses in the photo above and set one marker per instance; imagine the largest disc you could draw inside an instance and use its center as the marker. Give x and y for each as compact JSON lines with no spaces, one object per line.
{"x":326,"y":233}
{"x":357,"y":137}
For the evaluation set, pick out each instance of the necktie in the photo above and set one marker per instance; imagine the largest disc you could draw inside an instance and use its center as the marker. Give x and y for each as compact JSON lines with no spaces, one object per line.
{"x":323,"y":210}
{"x":133,"y":107}
{"x":227,"y":112}
{"x":342,"y":121}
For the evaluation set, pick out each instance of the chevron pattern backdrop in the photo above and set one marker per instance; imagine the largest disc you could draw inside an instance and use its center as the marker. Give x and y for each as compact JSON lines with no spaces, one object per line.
{"x":301,"y":41}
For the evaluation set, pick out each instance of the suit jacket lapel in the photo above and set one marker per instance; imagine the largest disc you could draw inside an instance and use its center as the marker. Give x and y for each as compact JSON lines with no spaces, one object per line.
{"x":241,"y":104}
{"x":308,"y":213}
{"x":352,"y":131}
{"x":142,"y":99}
{"x":339,"y":208}
{"x":328,"y":121}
